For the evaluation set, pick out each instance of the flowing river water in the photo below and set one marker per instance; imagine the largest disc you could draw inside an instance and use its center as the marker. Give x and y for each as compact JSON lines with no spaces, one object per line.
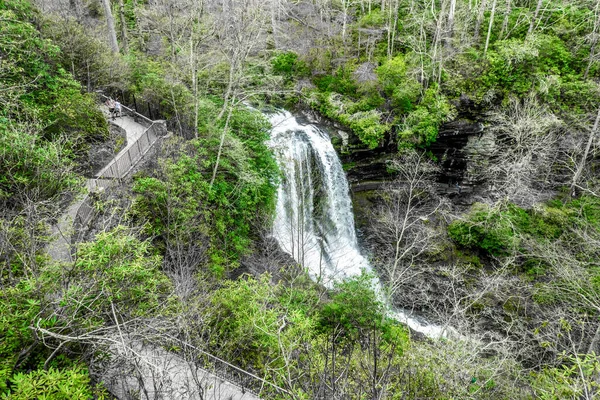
{"x":314,"y":221}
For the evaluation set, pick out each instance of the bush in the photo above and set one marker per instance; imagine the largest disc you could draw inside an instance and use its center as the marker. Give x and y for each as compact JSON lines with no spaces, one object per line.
{"x":18,"y":307}
{"x":289,"y":65}
{"x":484,"y":229}
{"x":36,"y":88}
{"x":498,"y":230}
{"x":31,"y":168}
{"x":420,"y":127}
{"x":365,"y":124}
{"x":354,"y":307}
{"x":341,"y":82}
{"x":66,"y":384}
{"x":177,"y":199}
{"x":115,"y":268}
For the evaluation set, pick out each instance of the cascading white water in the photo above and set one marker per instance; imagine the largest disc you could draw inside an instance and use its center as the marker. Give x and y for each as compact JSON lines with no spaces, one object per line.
{"x":314,"y":221}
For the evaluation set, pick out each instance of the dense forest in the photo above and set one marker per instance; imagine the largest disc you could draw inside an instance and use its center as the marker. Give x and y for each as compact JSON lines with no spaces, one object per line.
{"x":180,"y":255}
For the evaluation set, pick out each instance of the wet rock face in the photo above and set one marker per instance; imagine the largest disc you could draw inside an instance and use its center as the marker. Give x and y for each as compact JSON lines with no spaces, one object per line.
{"x":457,"y":144}
{"x":460,"y":146}
{"x":453,"y":150}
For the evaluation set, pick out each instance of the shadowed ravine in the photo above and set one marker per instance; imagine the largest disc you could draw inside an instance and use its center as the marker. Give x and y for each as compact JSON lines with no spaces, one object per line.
{"x":314,"y":221}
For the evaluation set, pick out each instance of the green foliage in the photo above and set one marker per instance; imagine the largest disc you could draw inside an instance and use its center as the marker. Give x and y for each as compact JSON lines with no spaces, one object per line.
{"x":289,"y":65}
{"x":501,"y":231}
{"x":405,"y":96}
{"x":421,"y":126}
{"x":486,"y":229}
{"x":340,"y":81}
{"x":32,"y":168}
{"x":178,"y":198}
{"x":18,"y":307}
{"x":281,"y":330}
{"x":155,"y":83}
{"x":354,"y":307}
{"x":366,"y":124}
{"x":45,"y":120}
{"x":574,"y":378}
{"x":517,"y":66}
{"x":403,"y":90}
{"x":246,"y":319}
{"x":116,"y":270}
{"x":66,"y":384}
{"x":85,"y":56}
{"x":392,"y":73}
{"x":47,"y":92}
{"x":374,"y":18}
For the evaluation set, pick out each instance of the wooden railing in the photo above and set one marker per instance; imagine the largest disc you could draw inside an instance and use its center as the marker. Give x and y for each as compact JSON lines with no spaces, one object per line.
{"x":112,"y":174}
{"x":120,"y":167}
{"x":116,"y":170}
{"x":246,"y":381}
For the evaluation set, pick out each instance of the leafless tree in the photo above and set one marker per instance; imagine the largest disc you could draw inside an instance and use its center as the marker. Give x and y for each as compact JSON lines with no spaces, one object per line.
{"x":507,"y":11}
{"x":489,"y":33}
{"x":594,"y":39}
{"x":534,"y":18}
{"x":479,"y":21}
{"x":524,"y":150}
{"x":584,"y":157}
{"x":403,"y":223}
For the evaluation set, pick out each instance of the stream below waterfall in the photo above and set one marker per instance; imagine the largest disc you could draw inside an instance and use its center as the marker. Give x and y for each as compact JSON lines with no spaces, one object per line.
{"x":314,"y":221}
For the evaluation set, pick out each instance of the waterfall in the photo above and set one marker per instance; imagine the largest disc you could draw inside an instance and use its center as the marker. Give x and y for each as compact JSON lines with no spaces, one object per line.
{"x":314,"y":221}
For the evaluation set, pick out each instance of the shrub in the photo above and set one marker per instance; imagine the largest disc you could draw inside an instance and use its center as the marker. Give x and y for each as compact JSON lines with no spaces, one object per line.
{"x":421,"y":126}
{"x":354,"y":307}
{"x":484,"y":229}
{"x":289,"y":65}
{"x":66,"y":384}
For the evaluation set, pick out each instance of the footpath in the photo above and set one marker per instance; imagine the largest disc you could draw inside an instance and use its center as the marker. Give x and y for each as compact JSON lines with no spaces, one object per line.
{"x":61,"y":248}
{"x":158,"y":373}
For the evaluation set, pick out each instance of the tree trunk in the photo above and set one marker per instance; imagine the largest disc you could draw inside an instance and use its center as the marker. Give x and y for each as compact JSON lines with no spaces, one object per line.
{"x":585,"y":155}
{"x":592,"y":56}
{"x":221,"y":143}
{"x":487,"y":39}
{"x":395,"y":25}
{"x":110,"y":22}
{"x":594,"y":343}
{"x":479,"y":21}
{"x":451,"y":13}
{"x":392,"y":26}
{"x":594,"y":42}
{"x":194,"y":82}
{"x":123,"y":26}
{"x":274,"y":16}
{"x":535,"y":16}
{"x":345,"y":19}
{"x":437,"y":48}
{"x":507,"y":12}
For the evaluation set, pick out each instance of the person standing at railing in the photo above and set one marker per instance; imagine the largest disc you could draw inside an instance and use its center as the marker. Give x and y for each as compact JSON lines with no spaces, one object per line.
{"x":117,"y":108}
{"x":110,"y":103}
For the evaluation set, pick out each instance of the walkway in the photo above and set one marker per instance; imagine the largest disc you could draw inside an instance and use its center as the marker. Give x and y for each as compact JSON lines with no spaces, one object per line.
{"x":60,"y":248}
{"x":133,"y":129}
{"x":159,"y":374}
